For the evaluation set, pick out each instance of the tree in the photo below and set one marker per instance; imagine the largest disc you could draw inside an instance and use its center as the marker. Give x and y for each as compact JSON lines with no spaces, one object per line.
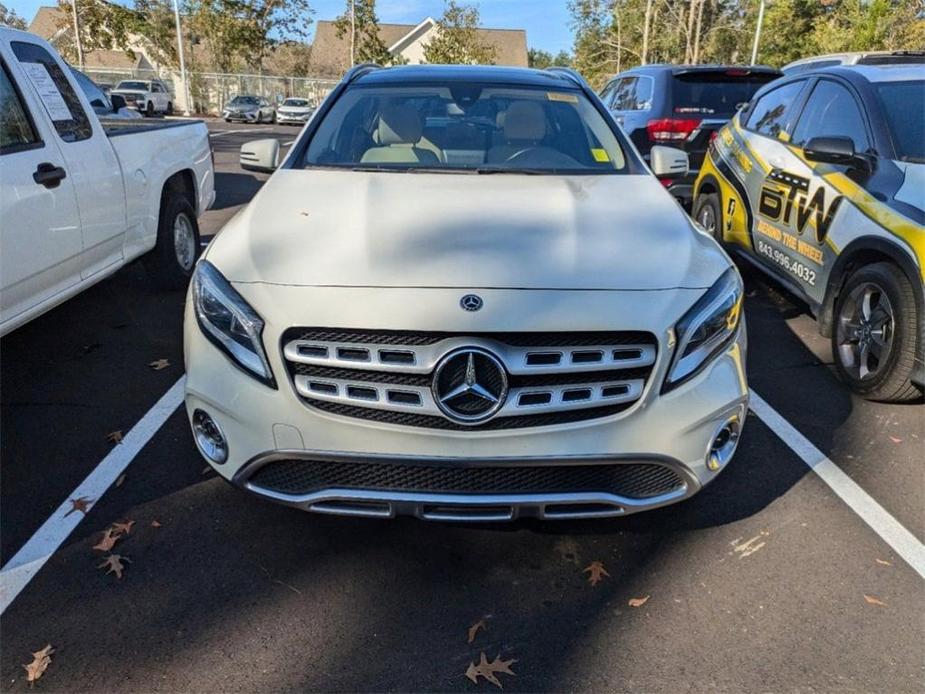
{"x":541,"y":59}
{"x":457,"y":40}
{"x":103,"y":26}
{"x":368,"y":46}
{"x":9,"y":18}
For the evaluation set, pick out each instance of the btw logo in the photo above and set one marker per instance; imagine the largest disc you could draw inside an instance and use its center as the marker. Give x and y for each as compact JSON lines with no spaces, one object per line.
{"x":785,"y":198}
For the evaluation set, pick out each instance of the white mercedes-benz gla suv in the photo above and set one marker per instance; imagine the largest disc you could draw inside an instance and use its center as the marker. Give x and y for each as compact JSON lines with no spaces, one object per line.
{"x":463,"y":295}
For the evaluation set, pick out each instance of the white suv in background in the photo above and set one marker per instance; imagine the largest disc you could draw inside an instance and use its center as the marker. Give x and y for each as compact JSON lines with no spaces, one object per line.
{"x":150,"y":97}
{"x":464,"y":296}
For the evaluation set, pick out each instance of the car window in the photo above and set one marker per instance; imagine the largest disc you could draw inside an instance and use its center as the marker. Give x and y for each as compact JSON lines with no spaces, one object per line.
{"x":633,"y":94}
{"x":134,"y":86}
{"x":301,"y":103}
{"x":831,"y":111}
{"x":16,"y":131}
{"x":769,"y":114}
{"x":466,"y":126}
{"x":904,"y":108}
{"x":607,"y":94}
{"x":716,"y":92}
{"x":97,"y":98}
{"x":69,"y":118}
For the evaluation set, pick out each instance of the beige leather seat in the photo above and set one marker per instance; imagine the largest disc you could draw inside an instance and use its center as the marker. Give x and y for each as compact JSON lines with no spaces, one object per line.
{"x":398,"y":133}
{"x":524,"y":125}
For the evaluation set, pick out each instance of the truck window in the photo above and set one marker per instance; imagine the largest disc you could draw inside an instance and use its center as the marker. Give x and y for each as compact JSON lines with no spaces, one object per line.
{"x":77,"y":126}
{"x":16,"y":131}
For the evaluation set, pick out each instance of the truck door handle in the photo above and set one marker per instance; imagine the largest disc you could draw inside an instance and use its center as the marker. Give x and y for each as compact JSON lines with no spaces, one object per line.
{"x":49,"y":175}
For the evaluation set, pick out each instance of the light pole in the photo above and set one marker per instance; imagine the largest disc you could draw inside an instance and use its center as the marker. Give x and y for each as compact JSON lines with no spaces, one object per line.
{"x":80,"y":49}
{"x":758,"y":33}
{"x":353,"y":32}
{"x":186,"y":99}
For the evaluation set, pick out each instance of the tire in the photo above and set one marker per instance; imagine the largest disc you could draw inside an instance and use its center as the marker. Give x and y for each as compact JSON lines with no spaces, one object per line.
{"x":174,"y":256}
{"x":707,"y":206}
{"x":169,"y":108}
{"x":149,"y":110}
{"x":259,"y":119}
{"x":875,"y":333}
{"x":227,"y":120}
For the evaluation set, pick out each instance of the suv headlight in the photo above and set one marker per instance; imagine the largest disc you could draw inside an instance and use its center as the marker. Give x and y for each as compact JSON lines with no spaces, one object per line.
{"x":230,"y":322}
{"x":706,"y":329}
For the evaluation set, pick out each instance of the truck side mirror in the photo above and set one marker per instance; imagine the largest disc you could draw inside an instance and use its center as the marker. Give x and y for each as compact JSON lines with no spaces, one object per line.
{"x":118,"y":102}
{"x":260,"y":155}
{"x":836,"y":150}
{"x":668,"y":161}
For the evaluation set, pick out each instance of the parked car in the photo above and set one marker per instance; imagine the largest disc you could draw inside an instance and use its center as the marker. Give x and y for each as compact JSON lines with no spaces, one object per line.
{"x":80,"y":199}
{"x":249,"y":109}
{"x":820,"y":182}
{"x":464,"y":296}
{"x":100,"y":102}
{"x":149,"y":97}
{"x":294,"y":111}
{"x":682,"y":106}
{"x":866,"y":58}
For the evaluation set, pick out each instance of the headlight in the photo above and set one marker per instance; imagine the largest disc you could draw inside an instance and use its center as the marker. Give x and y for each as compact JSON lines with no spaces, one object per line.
{"x":229,"y":321}
{"x":706,"y":329}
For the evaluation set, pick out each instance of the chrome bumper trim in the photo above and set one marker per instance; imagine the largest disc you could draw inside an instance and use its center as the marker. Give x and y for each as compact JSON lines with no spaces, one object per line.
{"x":467,"y":507}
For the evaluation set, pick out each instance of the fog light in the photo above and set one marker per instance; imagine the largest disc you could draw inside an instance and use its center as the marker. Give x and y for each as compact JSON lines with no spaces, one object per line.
{"x":724,"y":444}
{"x":209,"y":437}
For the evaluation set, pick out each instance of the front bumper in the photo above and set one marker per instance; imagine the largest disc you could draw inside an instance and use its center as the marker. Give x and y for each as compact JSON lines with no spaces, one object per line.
{"x":288,"y":119}
{"x":242,"y":117}
{"x":263,"y":426}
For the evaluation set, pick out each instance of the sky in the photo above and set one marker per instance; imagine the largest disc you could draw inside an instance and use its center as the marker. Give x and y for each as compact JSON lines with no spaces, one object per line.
{"x":546,"y":21}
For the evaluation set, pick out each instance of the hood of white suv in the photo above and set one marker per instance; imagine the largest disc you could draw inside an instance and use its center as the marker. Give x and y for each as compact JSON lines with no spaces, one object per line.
{"x":324,"y":227}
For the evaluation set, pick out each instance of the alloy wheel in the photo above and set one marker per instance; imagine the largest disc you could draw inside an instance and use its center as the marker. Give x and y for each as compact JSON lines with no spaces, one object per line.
{"x":184,"y":241}
{"x":865,"y":330}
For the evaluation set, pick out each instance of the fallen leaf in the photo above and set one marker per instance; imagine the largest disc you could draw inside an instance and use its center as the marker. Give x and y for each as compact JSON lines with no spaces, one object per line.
{"x":120,"y":480}
{"x":114,"y":562}
{"x":871,"y":600}
{"x":159,"y":364}
{"x":108,"y":541}
{"x":884,"y":562}
{"x":895,"y":439}
{"x":124,"y":528}
{"x":81,"y":504}
{"x":639,"y":602}
{"x":597,"y":571}
{"x":155,"y":524}
{"x":474,"y":629}
{"x":38,"y":666}
{"x":114,"y":437}
{"x":488,"y":670}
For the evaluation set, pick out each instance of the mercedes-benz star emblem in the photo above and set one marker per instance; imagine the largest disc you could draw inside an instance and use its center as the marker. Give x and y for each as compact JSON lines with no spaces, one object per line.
{"x":470,"y":385}
{"x":471,"y":302}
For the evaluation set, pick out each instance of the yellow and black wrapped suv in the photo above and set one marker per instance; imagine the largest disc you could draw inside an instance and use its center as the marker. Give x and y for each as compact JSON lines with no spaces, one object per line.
{"x":820,"y":182}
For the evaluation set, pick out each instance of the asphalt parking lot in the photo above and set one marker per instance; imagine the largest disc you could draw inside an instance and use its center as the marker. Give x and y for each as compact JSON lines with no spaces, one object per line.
{"x":766,"y":581}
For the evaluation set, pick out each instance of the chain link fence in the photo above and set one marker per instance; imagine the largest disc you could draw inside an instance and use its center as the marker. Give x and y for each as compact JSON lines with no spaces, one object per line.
{"x":210,"y":91}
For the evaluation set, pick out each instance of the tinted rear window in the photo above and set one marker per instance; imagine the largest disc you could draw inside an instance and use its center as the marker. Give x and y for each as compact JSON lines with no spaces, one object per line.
{"x":709,"y":93}
{"x":904,"y":106}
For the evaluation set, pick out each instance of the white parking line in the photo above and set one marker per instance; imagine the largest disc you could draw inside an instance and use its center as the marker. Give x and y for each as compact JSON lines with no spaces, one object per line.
{"x":232,"y":132}
{"x":904,"y":543}
{"x":26,"y":563}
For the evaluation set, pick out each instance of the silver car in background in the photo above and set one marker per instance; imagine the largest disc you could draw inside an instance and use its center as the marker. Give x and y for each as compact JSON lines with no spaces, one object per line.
{"x":294,"y":111}
{"x":249,"y":109}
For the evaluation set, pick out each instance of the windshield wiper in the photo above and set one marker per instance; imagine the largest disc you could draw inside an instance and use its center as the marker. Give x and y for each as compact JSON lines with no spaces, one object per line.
{"x":505,"y":170}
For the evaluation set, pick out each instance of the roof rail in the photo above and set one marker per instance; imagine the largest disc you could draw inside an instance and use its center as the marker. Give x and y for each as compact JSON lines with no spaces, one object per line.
{"x":569,"y":73}
{"x":360,"y":70}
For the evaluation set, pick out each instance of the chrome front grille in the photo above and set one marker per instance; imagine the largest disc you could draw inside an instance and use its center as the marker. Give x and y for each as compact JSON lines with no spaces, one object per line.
{"x":387,"y":376}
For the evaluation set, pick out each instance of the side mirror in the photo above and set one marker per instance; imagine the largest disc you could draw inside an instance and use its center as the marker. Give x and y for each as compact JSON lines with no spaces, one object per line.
{"x":118,"y":102}
{"x":668,"y":161}
{"x":260,"y":155}
{"x":830,"y":150}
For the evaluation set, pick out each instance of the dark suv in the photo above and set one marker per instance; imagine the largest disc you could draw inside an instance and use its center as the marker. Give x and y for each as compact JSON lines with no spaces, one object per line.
{"x":681,"y":106}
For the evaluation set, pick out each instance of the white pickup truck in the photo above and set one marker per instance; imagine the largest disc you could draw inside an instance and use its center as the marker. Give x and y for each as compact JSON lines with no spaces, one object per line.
{"x":81,"y":197}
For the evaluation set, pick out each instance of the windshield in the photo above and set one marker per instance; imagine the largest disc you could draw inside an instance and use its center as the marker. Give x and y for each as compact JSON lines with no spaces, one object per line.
{"x":295,"y":102}
{"x":715,"y":93}
{"x":904,"y":106}
{"x":241,"y":100}
{"x":476,"y":127}
{"x":138,"y":86}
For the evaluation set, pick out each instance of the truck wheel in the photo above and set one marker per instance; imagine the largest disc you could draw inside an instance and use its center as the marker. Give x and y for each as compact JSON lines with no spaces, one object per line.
{"x":708,"y":214}
{"x":173,"y":258}
{"x":149,"y":110}
{"x":874,"y":339}
{"x":169,"y":108}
